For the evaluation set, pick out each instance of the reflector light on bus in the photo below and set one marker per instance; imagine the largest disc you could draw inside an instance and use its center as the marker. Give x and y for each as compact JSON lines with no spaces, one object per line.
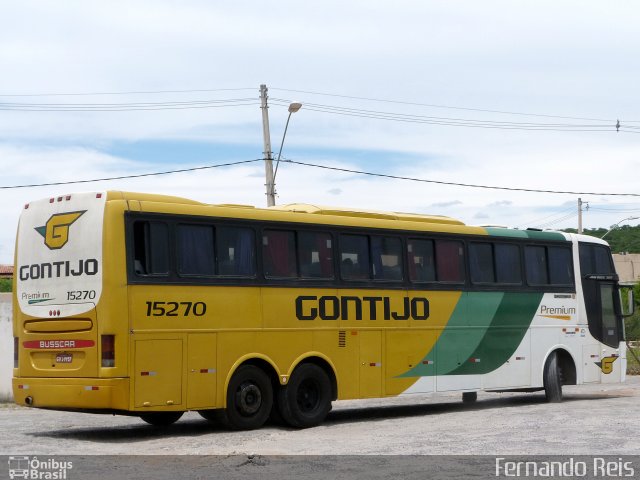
{"x":16,"y":353}
{"x":108,"y":351}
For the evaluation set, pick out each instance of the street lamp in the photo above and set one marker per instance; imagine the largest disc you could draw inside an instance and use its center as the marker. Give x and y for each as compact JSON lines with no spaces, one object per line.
{"x":615,"y":225}
{"x":293,"y":108}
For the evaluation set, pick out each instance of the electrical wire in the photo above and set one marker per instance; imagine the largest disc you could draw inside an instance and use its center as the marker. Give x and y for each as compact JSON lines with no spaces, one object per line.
{"x":449,"y":121}
{"x":125,"y":107}
{"x":122,"y":177}
{"x":455,"y":184}
{"x":149,"y":92}
{"x":431,"y":105}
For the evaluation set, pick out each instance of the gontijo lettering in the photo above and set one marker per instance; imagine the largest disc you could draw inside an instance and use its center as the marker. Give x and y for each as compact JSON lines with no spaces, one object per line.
{"x":329,"y":307}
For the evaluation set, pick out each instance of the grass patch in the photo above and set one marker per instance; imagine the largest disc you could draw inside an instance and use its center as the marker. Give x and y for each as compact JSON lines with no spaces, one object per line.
{"x":5,"y":285}
{"x":633,"y":367}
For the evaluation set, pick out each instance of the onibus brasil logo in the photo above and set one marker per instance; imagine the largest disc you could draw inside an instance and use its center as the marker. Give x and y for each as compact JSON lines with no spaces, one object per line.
{"x":56,"y":230}
{"x":32,"y":468}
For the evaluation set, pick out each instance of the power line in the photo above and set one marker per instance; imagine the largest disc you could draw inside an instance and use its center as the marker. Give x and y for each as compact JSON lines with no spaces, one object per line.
{"x":125,"y":107}
{"x":431,"y":105}
{"x":449,"y":121}
{"x":122,"y":177}
{"x":455,"y":184}
{"x":149,"y":92}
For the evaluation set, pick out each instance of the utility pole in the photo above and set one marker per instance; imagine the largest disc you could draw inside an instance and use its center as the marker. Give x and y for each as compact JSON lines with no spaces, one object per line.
{"x":579,"y":215}
{"x":268,"y":159}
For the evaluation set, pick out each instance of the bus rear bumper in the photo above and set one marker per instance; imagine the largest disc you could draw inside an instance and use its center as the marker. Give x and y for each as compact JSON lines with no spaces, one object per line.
{"x":72,"y":393}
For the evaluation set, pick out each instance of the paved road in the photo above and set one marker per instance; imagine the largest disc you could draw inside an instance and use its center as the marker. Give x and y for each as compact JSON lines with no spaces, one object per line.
{"x":596,"y":420}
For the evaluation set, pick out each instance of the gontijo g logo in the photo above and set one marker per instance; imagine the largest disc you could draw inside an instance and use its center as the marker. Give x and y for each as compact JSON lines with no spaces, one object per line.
{"x":56,"y":230}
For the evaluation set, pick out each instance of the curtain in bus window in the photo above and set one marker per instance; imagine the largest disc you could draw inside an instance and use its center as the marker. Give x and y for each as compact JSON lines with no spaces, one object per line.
{"x":236,"y":247}
{"x":354,"y":257}
{"x":195,"y":250}
{"x":151,"y":248}
{"x":279,"y":254}
{"x":481,"y":263}
{"x":315,"y":255}
{"x":386,"y":255}
{"x":450,"y":261}
{"x":536,"y":265}
{"x":508,"y":267}
{"x":421,"y":261}
{"x":560,"y":266}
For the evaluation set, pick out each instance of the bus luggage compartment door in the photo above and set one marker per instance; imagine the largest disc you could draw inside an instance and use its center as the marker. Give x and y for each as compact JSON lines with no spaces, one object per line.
{"x":158,"y":372}
{"x":201,"y":367}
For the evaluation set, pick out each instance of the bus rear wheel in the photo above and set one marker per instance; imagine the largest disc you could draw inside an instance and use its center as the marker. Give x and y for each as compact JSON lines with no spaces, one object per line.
{"x":249,"y":399}
{"x":161,"y":419}
{"x":306,"y":400}
{"x":552,"y":379}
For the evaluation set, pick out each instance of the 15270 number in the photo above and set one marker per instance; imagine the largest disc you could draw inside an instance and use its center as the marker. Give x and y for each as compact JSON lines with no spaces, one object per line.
{"x":176,"y":309}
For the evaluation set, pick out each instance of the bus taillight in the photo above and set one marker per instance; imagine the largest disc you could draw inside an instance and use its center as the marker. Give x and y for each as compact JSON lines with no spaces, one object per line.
{"x":108,"y":351}
{"x":16,"y":353}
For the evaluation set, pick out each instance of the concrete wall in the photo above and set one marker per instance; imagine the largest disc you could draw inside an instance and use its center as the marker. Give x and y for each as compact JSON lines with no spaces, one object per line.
{"x":6,"y":348}
{"x":627,"y":266}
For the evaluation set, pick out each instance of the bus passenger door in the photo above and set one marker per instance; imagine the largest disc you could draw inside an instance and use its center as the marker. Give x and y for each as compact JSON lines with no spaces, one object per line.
{"x":370,"y":363}
{"x":201,"y":370}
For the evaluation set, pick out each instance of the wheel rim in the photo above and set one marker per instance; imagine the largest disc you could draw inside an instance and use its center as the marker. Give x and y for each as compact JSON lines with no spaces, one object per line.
{"x":248,"y":399}
{"x":308,"y":396}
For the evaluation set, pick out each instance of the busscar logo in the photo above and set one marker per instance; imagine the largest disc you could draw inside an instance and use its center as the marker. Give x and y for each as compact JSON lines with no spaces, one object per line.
{"x":56,"y":230}
{"x":606,"y":365}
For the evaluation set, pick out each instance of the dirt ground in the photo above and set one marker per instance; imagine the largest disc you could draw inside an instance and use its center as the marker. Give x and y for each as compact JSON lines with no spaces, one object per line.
{"x":593,"y":420}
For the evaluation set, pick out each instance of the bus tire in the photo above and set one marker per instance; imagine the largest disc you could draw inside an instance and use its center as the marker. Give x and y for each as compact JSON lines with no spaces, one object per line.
{"x":161,"y":419}
{"x":469,"y":397}
{"x":306,"y":400}
{"x":552,"y":379}
{"x":249,"y":399}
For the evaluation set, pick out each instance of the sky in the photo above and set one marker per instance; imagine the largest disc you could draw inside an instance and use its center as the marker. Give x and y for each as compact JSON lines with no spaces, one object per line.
{"x":518,"y":95}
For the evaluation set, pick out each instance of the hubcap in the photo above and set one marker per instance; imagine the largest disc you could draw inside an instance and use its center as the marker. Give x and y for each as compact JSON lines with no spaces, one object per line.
{"x":308,"y":396}
{"x":248,"y":398}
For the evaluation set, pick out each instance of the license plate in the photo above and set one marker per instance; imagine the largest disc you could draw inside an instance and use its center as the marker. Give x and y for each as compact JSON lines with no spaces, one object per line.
{"x":64,"y":358}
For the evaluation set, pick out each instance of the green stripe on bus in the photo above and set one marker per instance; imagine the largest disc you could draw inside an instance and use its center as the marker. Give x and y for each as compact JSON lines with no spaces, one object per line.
{"x":508,"y":328}
{"x":464,"y":331}
{"x":532,"y":234}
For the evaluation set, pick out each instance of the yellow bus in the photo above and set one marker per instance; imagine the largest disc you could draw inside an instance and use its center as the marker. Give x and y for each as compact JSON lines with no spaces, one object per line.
{"x":153,"y":305}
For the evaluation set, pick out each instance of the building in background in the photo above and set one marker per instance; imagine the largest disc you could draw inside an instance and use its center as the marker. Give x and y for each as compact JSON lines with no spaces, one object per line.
{"x":627,"y":267}
{"x":6,"y":271}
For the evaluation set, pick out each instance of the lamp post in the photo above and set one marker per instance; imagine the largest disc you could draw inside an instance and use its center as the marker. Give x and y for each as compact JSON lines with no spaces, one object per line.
{"x":615,"y":225}
{"x":293,"y":108}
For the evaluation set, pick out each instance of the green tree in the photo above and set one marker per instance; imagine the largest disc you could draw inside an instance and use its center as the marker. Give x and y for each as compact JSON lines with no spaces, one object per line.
{"x":5,"y":285}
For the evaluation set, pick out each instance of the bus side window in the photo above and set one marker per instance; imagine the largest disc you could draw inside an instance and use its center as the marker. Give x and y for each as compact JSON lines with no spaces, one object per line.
{"x":560,"y":266}
{"x":386,"y":255}
{"x":508,"y":264}
{"x":481,"y":263}
{"x":236,"y":251}
{"x":151,"y":248}
{"x":535,"y":258}
{"x":450,"y":261}
{"x":279,"y":254}
{"x":195,"y":250}
{"x":354,"y":257}
{"x":422,"y":266}
{"x":315,"y":255}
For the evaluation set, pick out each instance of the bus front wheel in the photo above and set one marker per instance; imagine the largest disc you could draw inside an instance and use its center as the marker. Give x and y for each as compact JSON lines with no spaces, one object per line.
{"x":249,"y":399}
{"x":161,"y":419}
{"x":552,"y":379}
{"x":306,"y":400}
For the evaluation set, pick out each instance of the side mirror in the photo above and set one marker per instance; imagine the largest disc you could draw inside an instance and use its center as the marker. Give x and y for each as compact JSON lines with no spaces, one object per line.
{"x":631,"y":304}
